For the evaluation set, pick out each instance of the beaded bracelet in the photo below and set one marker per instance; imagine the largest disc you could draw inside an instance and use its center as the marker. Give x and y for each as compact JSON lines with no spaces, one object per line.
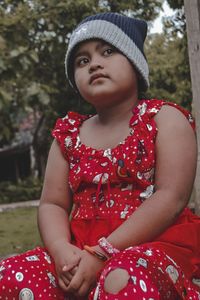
{"x":107,"y":247}
{"x":96,"y":253}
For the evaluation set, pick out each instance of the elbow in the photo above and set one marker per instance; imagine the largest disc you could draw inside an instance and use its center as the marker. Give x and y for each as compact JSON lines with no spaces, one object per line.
{"x":174,"y":202}
{"x":181,"y":202}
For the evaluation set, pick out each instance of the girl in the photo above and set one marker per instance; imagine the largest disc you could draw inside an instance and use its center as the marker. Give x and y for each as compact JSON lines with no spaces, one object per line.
{"x":128,"y":172}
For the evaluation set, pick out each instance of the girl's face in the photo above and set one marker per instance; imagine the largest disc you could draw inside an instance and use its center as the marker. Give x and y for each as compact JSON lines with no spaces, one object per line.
{"x":103,"y":75}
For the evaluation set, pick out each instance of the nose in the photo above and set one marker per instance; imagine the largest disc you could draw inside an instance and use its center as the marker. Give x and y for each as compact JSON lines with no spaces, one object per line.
{"x":95,"y":64}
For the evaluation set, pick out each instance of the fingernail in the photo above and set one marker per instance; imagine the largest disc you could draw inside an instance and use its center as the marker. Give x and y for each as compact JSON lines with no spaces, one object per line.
{"x":64,"y":268}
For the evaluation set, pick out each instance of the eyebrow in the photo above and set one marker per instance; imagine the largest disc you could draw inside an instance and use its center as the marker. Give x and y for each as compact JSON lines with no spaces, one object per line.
{"x":83,"y":52}
{"x":80,"y":53}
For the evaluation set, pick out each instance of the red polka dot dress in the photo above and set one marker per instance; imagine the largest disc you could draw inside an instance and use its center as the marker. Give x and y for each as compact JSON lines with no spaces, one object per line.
{"x":108,"y":186}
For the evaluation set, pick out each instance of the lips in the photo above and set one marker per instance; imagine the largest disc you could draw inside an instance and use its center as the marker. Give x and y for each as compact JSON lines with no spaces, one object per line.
{"x":96,"y":76}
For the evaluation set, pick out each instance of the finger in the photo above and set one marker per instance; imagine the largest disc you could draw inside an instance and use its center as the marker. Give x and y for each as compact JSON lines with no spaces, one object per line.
{"x":62,"y":285}
{"x":69,"y":267}
{"x":68,"y":275}
{"x":74,"y":270}
{"x":75,"y":284}
{"x":83,"y":290}
{"x":66,"y":280}
{"x":74,"y":262}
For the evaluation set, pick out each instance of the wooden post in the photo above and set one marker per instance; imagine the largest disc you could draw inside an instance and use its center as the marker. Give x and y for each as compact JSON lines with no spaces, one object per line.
{"x":192,"y":12}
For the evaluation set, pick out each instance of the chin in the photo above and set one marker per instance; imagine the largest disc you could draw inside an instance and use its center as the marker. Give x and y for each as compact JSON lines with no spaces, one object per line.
{"x":102,"y":96}
{"x":101,"y":101}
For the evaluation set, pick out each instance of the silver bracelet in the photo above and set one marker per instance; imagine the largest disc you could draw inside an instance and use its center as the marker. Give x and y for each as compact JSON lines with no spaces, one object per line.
{"x":107,"y":247}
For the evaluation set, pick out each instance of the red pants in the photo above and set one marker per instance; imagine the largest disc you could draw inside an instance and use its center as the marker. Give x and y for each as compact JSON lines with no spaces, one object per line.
{"x":153,"y":276}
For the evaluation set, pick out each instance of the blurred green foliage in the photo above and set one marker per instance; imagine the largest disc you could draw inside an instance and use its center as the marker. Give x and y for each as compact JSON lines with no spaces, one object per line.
{"x":33,"y":39}
{"x":169,"y":69}
{"x":168,"y":59}
{"x":29,"y":189}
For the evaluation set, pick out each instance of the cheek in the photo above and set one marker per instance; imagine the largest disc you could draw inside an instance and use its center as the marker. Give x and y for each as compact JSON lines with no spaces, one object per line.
{"x":75,"y":77}
{"x":128,"y":77}
{"x":81,"y":83}
{"x":126,"y":70}
{"x":131,"y":74}
{"x":79,"y":79}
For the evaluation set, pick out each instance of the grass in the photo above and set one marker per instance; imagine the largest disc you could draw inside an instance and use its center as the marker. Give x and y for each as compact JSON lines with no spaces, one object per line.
{"x":18,"y":230}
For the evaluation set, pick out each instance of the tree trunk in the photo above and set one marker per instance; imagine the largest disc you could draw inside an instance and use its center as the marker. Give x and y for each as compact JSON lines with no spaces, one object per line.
{"x":192,"y":12}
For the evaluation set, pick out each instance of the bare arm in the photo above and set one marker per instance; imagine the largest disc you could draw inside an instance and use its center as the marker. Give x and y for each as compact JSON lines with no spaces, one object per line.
{"x":176,"y":156}
{"x":175,"y":171}
{"x":53,"y":217}
{"x":55,"y":202}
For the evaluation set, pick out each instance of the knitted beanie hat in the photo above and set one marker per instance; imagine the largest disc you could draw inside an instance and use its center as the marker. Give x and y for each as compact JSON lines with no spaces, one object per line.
{"x":124,"y":33}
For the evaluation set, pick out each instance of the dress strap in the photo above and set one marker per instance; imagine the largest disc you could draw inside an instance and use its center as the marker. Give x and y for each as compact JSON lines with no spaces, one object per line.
{"x":66,"y":131}
{"x":186,"y":113}
{"x":146,"y":110}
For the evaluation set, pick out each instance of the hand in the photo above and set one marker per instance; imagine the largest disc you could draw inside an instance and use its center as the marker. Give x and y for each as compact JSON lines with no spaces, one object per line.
{"x":67,"y":258}
{"x":86,"y":274}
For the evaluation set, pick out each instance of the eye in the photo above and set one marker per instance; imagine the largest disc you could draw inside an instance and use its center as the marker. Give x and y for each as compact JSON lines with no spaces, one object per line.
{"x":81,"y":61}
{"x":108,"y":51}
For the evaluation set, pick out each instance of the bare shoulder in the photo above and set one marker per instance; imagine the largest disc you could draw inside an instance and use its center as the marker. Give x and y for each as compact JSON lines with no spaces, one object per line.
{"x":56,"y":162}
{"x":56,"y":187}
{"x":170,"y":117}
{"x":55,"y":151}
{"x":176,"y":153}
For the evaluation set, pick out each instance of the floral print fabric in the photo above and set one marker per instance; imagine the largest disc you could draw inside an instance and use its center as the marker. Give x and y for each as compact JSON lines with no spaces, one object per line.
{"x":29,"y":276}
{"x":153,"y":275}
{"x":108,"y":185}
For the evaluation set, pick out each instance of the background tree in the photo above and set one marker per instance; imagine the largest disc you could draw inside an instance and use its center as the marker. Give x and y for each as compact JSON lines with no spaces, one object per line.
{"x":192,"y":10}
{"x":33,"y":40}
{"x":169,"y":76}
{"x":168,"y":59}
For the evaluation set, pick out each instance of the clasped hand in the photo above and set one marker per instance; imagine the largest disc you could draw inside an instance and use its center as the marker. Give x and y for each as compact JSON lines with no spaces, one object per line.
{"x":77,"y":272}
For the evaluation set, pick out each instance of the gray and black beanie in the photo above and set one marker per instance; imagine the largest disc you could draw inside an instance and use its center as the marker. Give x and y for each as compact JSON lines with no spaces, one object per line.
{"x":126,"y":34}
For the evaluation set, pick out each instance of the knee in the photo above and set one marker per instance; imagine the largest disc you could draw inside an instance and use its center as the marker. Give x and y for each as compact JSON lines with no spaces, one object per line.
{"x":116,"y":280}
